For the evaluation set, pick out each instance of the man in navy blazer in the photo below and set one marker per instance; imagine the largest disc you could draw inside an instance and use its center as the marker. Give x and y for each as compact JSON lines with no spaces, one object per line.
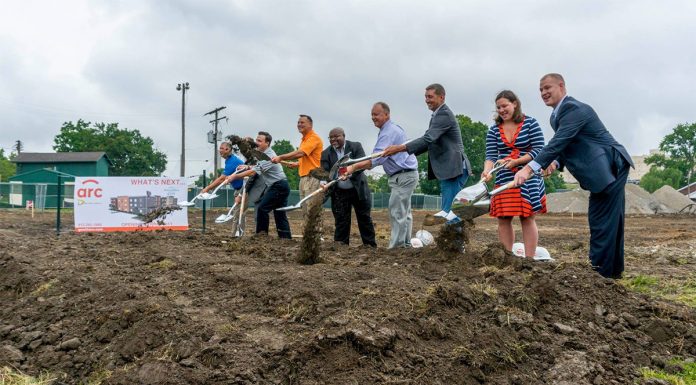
{"x":447,"y":160}
{"x":351,"y":193}
{"x":598,"y":162}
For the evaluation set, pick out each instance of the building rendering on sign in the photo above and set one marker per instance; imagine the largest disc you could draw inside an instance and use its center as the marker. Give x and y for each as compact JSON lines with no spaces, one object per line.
{"x":140,"y":205}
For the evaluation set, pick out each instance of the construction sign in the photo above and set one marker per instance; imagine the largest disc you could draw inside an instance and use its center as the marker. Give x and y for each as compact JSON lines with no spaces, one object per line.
{"x":129,"y":203}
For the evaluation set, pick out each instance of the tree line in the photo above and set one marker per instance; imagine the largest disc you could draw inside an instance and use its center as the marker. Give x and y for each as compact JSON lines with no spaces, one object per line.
{"x":133,"y":154}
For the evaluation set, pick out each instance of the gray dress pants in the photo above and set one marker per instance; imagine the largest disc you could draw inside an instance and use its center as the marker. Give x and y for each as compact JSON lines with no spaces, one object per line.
{"x":400,"y":216}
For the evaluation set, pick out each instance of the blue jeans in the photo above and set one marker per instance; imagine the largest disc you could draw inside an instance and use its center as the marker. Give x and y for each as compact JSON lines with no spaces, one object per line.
{"x":450,"y":188}
{"x":276,"y":196}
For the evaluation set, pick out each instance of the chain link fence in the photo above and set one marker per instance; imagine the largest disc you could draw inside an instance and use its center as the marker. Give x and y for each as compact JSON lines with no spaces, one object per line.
{"x":42,"y":195}
{"x":45,"y":196}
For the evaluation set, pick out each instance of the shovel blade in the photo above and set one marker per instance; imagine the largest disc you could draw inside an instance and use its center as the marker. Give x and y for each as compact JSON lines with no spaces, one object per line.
{"x":471,"y":193}
{"x":207,"y":196}
{"x":468,"y":212}
{"x":223,"y":218}
{"x":187,"y":203}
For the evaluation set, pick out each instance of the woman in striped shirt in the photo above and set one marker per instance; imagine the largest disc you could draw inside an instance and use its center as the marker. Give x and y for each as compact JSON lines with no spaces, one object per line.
{"x":515,"y":139}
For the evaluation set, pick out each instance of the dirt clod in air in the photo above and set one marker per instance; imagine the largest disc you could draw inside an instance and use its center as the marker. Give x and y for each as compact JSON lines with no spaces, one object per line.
{"x":311,"y":237}
{"x":158,"y":215}
{"x":245,"y":145}
{"x":319,"y":173}
{"x":452,"y":238}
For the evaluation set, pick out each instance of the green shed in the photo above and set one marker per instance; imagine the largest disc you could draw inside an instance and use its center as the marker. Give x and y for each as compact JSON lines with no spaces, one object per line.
{"x":37,"y":175}
{"x":73,"y":163}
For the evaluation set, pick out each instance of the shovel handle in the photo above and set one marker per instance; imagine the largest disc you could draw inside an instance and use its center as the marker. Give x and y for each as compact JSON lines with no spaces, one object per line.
{"x":502,"y":188}
{"x":379,"y":154}
{"x":317,"y":191}
{"x":351,"y":162}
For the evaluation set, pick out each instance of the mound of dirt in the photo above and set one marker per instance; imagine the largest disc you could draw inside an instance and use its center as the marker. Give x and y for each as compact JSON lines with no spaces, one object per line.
{"x":671,"y":198}
{"x":188,"y":307}
{"x":575,"y":201}
{"x":638,"y":201}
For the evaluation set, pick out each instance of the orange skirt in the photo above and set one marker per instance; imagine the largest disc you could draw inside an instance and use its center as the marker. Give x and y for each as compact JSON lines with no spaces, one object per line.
{"x":510,"y":203}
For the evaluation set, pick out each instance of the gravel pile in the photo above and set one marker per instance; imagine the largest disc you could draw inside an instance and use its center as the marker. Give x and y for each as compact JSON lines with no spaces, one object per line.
{"x":672,"y":198}
{"x":638,"y":201}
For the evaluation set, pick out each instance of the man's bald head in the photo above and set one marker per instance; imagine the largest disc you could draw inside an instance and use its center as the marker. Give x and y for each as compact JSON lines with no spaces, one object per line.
{"x":337,"y":137}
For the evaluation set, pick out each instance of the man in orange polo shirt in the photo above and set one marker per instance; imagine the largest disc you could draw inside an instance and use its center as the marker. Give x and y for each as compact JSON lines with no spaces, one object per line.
{"x":309,"y":158}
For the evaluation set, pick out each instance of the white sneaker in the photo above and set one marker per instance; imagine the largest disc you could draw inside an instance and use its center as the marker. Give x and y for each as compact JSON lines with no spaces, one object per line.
{"x":450,"y":215}
{"x":441,"y":214}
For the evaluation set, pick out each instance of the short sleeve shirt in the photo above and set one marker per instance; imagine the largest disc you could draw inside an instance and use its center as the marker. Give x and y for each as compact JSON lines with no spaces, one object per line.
{"x":231,"y":165}
{"x":311,"y":145}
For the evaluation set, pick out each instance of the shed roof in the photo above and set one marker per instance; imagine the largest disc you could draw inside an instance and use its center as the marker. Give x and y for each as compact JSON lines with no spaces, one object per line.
{"x":688,"y":188}
{"x":59,"y":157}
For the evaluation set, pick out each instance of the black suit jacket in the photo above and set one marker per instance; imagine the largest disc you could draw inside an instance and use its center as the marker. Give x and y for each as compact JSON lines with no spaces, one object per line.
{"x":443,"y":141}
{"x":359,"y":179}
{"x":584,"y":145}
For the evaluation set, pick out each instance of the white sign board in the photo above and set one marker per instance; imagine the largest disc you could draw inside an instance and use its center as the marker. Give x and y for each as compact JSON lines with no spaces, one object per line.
{"x":129,"y":203}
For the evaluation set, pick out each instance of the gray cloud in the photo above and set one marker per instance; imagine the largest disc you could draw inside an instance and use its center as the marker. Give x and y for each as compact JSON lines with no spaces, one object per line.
{"x":270,"y":61}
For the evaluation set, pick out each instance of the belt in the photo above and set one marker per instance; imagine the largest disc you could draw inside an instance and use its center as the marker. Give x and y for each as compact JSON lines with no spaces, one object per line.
{"x":403,"y":171}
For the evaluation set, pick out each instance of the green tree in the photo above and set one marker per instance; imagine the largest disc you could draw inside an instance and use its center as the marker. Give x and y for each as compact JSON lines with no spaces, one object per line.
{"x":131,"y":153}
{"x":474,"y":139}
{"x":554,"y":182}
{"x":678,"y":151}
{"x":7,"y":168}
{"x":209,"y":178}
{"x":378,"y":183}
{"x":283,"y":146}
{"x":658,"y":177}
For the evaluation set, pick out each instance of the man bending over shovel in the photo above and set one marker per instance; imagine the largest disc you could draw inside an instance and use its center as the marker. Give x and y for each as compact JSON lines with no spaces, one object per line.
{"x":231,"y":164}
{"x":277,"y":189}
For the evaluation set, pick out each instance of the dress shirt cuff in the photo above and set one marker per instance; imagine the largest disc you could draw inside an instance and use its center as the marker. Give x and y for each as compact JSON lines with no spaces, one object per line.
{"x":534,"y":166}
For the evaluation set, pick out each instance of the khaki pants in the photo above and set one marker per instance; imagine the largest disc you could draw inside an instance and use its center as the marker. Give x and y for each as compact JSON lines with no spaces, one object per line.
{"x":308,"y":185}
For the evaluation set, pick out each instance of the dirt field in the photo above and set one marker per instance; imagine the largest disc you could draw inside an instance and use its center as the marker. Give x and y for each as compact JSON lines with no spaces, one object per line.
{"x":193,"y":308}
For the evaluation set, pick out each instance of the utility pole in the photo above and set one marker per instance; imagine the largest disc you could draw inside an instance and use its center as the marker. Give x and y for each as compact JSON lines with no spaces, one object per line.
{"x":183,"y":87}
{"x":19,"y":147}
{"x":215,"y":135}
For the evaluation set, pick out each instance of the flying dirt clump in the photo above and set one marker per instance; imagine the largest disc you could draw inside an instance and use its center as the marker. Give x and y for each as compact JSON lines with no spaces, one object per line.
{"x":453,"y":237}
{"x":319,"y":173}
{"x":311,"y":237}
{"x":245,"y":145}
{"x":158,"y":214}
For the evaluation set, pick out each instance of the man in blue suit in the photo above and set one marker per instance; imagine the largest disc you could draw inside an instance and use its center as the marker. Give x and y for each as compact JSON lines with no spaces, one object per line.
{"x":596,"y":160}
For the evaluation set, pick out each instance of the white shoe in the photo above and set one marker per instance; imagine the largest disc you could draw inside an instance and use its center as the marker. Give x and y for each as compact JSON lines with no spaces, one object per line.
{"x":441,"y":214}
{"x":450,"y":215}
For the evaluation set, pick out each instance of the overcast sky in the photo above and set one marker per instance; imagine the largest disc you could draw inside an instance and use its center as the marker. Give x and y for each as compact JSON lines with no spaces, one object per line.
{"x":268,"y":61}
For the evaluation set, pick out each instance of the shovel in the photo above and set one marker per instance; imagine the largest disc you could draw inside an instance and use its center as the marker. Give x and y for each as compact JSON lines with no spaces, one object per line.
{"x":202,"y":196}
{"x":480,"y":206}
{"x":226,"y":217}
{"x":207,"y":196}
{"x":333,"y":175}
{"x":190,"y":203}
{"x":350,"y":162}
{"x":474,"y":193}
{"x":240,"y":230}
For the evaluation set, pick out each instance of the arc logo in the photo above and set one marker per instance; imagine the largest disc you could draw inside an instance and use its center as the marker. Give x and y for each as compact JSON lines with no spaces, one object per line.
{"x":89,"y":191}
